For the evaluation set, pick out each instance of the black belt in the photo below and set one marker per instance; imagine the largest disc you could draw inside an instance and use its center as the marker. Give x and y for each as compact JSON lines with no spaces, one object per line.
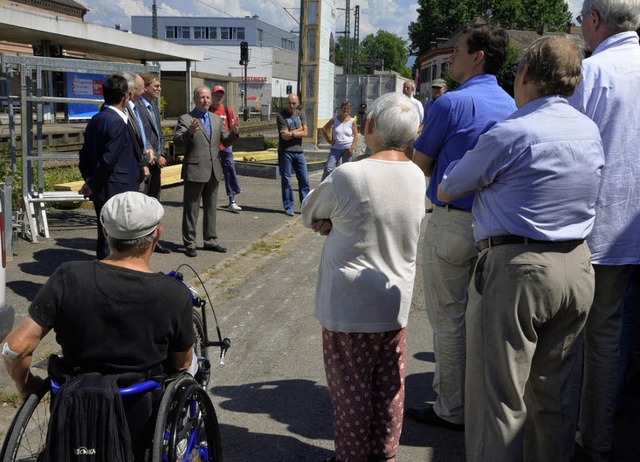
{"x":452,"y":207}
{"x":511,"y":239}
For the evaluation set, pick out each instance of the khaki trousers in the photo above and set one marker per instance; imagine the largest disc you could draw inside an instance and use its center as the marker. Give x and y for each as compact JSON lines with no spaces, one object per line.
{"x":527,"y":307}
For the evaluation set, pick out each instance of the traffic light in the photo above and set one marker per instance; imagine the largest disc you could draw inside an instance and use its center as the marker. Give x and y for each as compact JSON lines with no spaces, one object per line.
{"x":244,"y":53}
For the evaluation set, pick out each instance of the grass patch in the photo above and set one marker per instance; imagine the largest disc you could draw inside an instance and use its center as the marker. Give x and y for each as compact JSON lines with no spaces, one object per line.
{"x":265,"y":248}
{"x":9,"y":399}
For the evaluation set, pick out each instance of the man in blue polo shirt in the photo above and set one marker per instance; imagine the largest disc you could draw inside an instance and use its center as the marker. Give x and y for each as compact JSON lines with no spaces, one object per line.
{"x":455,"y":123}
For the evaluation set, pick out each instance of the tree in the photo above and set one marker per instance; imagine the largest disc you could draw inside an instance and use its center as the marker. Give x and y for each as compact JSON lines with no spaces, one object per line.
{"x":442,"y":18}
{"x":341,"y":50}
{"x":386,"y":50}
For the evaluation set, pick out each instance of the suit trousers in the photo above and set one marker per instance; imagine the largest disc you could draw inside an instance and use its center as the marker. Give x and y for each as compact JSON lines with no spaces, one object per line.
{"x":193,"y":192}
{"x":527,"y":307}
{"x":449,"y":254}
{"x":603,"y":360}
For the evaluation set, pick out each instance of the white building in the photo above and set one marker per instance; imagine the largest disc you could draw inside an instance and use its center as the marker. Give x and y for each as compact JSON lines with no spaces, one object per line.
{"x":273,"y":52}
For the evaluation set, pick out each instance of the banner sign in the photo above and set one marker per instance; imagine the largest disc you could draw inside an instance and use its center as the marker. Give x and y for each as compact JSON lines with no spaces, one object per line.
{"x":84,"y":86}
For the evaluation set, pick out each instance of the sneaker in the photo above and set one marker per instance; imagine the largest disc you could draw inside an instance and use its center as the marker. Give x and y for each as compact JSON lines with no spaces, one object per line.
{"x":233,"y":207}
{"x":289,"y":212}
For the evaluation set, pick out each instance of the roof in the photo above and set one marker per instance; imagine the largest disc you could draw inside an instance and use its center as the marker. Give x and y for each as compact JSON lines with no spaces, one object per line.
{"x":19,"y":26}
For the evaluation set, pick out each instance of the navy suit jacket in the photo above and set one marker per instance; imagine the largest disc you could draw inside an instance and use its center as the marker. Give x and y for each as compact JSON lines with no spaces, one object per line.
{"x":108,"y":163}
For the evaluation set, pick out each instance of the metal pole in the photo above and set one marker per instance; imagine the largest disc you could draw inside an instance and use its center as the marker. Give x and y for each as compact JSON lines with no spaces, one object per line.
{"x":246,"y":107}
{"x":300,"y":54}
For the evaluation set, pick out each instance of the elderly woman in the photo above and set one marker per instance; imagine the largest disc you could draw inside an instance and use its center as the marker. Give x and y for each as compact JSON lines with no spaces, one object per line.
{"x":343,"y":139}
{"x":365,"y":280}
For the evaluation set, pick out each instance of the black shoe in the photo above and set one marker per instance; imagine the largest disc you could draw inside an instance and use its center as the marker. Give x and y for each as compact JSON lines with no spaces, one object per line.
{"x":428,"y":416}
{"x":215,"y":248}
{"x":191,"y":253}
{"x":161,"y":249}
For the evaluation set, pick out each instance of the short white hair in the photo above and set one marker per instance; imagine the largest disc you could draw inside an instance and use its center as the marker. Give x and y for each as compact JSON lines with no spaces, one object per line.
{"x":395,"y":120}
{"x":616,"y":15}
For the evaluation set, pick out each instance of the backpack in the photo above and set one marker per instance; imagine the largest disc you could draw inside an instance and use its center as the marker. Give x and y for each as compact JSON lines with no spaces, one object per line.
{"x":88,"y":422}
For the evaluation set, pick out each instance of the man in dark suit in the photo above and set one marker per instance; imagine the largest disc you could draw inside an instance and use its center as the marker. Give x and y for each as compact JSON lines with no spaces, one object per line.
{"x":150,"y":116}
{"x":108,"y":163}
{"x":200,"y":133}
{"x":135,"y":126}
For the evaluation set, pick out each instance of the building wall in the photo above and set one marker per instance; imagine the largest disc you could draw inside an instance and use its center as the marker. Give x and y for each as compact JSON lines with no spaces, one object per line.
{"x":273,"y":53}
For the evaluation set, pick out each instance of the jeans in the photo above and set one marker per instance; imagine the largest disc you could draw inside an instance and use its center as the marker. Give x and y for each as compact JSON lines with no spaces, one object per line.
{"x":286,"y":160}
{"x":334,"y":159}
{"x":231,"y":183}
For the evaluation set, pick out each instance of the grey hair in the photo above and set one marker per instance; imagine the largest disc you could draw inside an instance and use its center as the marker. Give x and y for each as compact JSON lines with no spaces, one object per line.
{"x":395,"y":120}
{"x":616,"y":15}
{"x":130,"y":78}
{"x":196,"y":91}
{"x":132,"y":247}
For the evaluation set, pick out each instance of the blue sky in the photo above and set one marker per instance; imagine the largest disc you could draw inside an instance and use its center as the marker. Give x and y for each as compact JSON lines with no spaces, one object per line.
{"x":390,"y":15}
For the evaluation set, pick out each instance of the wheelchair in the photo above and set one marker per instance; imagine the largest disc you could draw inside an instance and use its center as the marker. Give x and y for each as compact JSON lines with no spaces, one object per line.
{"x":186,"y":426}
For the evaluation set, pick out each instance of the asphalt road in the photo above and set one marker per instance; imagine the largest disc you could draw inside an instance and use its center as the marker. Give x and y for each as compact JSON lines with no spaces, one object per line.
{"x":270,"y":396}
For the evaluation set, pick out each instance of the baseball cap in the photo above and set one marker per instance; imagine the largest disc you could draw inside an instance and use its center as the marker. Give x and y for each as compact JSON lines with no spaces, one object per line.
{"x":131,"y":215}
{"x":439,"y":83}
{"x":218,"y":88}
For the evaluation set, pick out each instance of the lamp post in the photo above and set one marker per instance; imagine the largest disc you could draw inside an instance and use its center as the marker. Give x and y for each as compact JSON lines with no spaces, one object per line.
{"x":244,"y":61}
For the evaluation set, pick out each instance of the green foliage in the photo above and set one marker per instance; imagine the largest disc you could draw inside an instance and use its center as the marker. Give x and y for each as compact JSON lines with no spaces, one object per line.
{"x":442,"y":18}
{"x":386,"y":49}
{"x":506,"y":75}
{"x":163,"y":105}
{"x":270,"y":144}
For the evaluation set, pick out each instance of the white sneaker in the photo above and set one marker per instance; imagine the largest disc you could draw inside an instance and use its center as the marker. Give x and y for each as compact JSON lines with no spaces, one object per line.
{"x":235,"y":208}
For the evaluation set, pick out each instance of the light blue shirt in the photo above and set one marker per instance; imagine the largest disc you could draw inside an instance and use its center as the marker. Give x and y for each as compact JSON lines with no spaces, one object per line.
{"x":609,"y":94}
{"x":455,"y":122}
{"x":537,"y":174}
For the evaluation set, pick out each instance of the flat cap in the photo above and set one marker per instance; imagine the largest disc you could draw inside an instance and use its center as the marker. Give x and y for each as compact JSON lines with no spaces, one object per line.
{"x":439,"y":83}
{"x":131,"y":215}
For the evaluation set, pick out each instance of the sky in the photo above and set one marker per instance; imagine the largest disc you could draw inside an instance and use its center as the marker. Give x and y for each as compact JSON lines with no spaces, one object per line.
{"x":390,"y":15}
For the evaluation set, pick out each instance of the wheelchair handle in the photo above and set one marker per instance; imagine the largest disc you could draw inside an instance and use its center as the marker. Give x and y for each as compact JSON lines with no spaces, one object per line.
{"x":125,"y":391}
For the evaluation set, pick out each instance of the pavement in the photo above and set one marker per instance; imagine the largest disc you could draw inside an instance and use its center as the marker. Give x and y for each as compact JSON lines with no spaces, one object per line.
{"x":270,"y":397}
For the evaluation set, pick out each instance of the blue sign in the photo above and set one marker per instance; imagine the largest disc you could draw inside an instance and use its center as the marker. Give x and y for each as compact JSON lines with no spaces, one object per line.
{"x":84,"y":86}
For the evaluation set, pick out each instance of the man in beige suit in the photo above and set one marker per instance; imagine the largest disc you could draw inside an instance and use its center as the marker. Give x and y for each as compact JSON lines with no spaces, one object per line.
{"x":200,"y":132}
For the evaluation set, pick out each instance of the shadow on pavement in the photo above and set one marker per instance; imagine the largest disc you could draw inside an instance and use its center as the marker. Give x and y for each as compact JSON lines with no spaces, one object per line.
{"x":303,"y":405}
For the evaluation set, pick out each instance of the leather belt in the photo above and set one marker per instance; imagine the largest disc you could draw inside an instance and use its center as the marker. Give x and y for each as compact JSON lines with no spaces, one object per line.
{"x":511,"y":239}
{"x":452,"y":207}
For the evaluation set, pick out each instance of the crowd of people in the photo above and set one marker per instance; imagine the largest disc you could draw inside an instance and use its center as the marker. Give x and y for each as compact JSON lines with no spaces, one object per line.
{"x":529,"y":253}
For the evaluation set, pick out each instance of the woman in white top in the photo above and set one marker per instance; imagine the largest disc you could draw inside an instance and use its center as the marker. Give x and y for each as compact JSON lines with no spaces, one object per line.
{"x":365,"y":280}
{"x":343,"y":139}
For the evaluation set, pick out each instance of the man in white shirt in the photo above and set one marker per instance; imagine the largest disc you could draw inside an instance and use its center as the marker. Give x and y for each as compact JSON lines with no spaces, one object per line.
{"x":609,"y":95}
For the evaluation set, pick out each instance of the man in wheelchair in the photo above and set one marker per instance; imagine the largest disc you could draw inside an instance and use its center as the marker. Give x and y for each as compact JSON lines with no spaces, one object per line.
{"x":114,"y":317}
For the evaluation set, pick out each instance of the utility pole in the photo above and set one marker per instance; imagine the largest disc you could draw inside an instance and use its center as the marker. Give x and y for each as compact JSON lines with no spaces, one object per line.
{"x":154,"y":20}
{"x":356,"y":37}
{"x":347,"y":36}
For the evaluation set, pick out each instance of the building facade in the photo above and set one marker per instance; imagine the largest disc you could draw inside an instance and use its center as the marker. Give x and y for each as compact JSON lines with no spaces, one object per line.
{"x":273,"y":52}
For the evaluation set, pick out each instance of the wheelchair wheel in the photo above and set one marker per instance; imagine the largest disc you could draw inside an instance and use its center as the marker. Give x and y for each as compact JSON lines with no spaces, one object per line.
{"x":27,"y":435}
{"x":186,"y":427}
{"x":199,"y":346}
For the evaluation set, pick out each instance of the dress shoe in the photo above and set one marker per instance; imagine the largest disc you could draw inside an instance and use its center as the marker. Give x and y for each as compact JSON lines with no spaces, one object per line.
{"x":191,"y":253}
{"x":215,"y":248}
{"x":161,"y":249}
{"x":428,"y":416}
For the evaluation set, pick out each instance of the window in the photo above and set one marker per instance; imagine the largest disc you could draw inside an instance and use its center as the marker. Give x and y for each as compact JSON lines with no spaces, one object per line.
{"x":232,"y":33}
{"x":184,"y":32}
{"x":288,"y":44}
{"x":171,"y":32}
{"x":204,"y":33}
{"x":260,"y":36}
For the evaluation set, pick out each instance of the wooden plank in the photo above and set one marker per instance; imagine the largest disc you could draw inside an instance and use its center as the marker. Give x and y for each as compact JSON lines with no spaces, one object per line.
{"x":170,"y":176}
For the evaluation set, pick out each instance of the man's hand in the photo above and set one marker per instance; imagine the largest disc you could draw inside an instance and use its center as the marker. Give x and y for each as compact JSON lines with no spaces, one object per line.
{"x":234,"y":127}
{"x":194,"y":126}
{"x":322,"y":226}
{"x":147,"y":173}
{"x":152,"y":156}
{"x":162,"y":161}
{"x":85,"y":191}
{"x":286,"y":135}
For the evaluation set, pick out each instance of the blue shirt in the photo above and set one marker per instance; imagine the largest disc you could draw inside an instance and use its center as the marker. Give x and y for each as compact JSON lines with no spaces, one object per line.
{"x":455,"y":122}
{"x":609,"y":95}
{"x":537,"y":174}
